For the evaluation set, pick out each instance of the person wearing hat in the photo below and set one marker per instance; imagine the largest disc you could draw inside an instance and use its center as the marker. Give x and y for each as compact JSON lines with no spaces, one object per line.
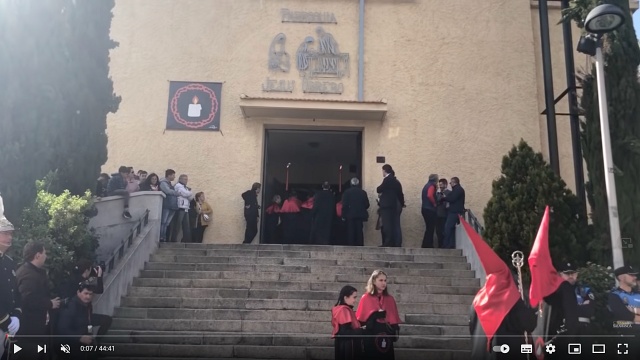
{"x":584,"y":295}
{"x":624,"y":304}
{"x":10,"y":301}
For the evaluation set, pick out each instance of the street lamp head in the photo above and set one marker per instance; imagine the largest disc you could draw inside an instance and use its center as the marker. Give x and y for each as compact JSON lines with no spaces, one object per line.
{"x":604,"y":18}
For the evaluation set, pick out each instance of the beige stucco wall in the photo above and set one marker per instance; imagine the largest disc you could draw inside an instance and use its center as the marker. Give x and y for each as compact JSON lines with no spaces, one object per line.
{"x":460,"y":79}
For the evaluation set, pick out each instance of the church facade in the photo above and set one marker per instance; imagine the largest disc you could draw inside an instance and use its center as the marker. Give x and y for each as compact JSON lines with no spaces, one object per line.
{"x":444,"y":87}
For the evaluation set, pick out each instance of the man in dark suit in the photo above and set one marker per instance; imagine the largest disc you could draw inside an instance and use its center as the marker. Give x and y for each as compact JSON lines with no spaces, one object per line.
{"x":391,"y":204}
{"x":355,"y":203}
{"x":456,"y":208}
{"x":37,"y":301}
{"x":322,"y":214}
{"x":251,"y":212}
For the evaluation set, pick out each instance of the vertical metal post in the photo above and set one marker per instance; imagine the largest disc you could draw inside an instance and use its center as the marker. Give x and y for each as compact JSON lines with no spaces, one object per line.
{"x":578,"y":169}
{"x":549,"y":100}
{"x":361,"y":54}
{"x":609,"y":176}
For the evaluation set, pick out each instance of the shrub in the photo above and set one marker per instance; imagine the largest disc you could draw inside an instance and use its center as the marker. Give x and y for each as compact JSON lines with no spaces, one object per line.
{"x":519,"y":197}
{"x":60,"y":222}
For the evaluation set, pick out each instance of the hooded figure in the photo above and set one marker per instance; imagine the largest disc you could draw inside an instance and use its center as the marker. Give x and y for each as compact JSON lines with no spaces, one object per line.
{"x":499,"y":316}
{"x":555,"y":297}
{"x":290,"y":215}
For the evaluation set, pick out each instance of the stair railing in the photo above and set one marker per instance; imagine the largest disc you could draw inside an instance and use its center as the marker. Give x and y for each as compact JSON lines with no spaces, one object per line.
{"x":119,"y":252}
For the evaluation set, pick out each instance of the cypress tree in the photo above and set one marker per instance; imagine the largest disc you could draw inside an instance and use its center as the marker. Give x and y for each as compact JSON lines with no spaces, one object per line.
{"x":622,"y":58}
{"x":56,"y":95}
{"x":519,"y":197}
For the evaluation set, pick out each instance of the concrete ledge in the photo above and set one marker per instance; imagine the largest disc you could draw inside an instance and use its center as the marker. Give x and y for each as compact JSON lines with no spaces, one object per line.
{"x":112,"y":228}
{"x":463,"y":243}
{"x":118,"y":281}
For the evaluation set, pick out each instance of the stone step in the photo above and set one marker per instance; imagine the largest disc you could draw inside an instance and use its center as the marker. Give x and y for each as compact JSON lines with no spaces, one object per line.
{"x":274,"y":315}
{"x":425,"y":279}
{"x":315,"y":248}
{"x":218,"y":352}
{"x":209,"y":338}
{"x":270,"y":327}
{"x":446,"y":285}
{"x":455,"y":305}
{"x":286,"y":294}
{"x":426,"y":263}
{"x":397,"y":268}
{"x":432,"y":256}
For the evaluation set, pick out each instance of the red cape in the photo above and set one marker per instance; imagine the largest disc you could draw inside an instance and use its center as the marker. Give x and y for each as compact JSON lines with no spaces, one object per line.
{"x":544,"y":277}
{"x":339,"y":209}
{"x":273,"y":209}
{"x":308,"y":204}
{"x":291,"y":205}
{"x":343,"y":314}
{"x":372,"y":303}
{"x":499,"y":293}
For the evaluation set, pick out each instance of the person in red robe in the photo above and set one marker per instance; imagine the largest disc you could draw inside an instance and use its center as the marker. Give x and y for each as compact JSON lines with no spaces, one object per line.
{"x":378,"y":310}
{"x":346,"y":328}
{"x":272,"y":218}
{"x":289,"y":214}
{"x":558,"y":321}
{"x":499,"y":316}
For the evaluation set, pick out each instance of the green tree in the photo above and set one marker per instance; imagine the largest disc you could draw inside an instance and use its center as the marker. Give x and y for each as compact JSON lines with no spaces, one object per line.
{"x":60,"y":222}
{"x":519,"y":197}
{"x":56,"y":94}
{"x":622,"y":58}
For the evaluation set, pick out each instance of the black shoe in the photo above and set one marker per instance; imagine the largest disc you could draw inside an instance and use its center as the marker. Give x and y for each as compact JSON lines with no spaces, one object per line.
{"x":126,"y":214}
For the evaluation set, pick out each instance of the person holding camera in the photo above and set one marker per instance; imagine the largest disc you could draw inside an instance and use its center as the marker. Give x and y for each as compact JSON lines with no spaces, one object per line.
{"x":83,"y":273}
{"x":75,"y":326}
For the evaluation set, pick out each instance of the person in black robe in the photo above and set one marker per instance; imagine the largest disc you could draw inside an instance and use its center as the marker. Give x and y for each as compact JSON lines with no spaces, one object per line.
{"x":511,"y":331}
{"x":499,"y":315}
{"x":306,"y":220}
{"x":290,"y":215}
{"x":323,"y":214}
{"x":355,"y":203}
{"x":560,"y":316}
{"x":347,"y":331}
{"x":271,"y":220}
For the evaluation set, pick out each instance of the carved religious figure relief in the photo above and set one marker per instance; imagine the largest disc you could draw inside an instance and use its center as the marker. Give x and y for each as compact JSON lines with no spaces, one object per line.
{"x":324,"y":62}
{"x":278,"y":56}
{"x":304,"y":54}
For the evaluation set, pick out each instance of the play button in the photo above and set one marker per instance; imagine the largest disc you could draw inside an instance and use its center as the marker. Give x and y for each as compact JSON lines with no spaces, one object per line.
{"x":16,"y":348}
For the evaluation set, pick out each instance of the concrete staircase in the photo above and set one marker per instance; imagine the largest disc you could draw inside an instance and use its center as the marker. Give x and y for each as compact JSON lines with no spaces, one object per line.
{"x":273,"y":301}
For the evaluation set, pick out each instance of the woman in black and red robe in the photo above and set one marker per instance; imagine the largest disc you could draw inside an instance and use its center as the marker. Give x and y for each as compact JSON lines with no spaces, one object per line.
{"x":378,"y":310}
{"x":271,"y":220}
{"x":306,"y":220}
{"x":290,"y":213}
{"x":346,"y":328}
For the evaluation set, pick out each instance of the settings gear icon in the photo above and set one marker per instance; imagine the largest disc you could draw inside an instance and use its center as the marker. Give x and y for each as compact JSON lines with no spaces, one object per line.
{"x":551,"y":348}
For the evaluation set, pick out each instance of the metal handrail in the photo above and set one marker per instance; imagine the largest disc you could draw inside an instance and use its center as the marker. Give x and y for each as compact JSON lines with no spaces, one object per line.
{"x":126,"y":243}
{"x":473,"y":221}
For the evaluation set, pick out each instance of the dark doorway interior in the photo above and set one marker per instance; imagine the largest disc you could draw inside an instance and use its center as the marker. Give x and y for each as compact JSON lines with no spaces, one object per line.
{"x":315,"y":156}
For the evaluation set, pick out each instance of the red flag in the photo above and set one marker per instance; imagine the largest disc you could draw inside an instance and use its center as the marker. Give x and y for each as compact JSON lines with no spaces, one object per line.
{"x":544,"y":277}
{"x":499,"y":293}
